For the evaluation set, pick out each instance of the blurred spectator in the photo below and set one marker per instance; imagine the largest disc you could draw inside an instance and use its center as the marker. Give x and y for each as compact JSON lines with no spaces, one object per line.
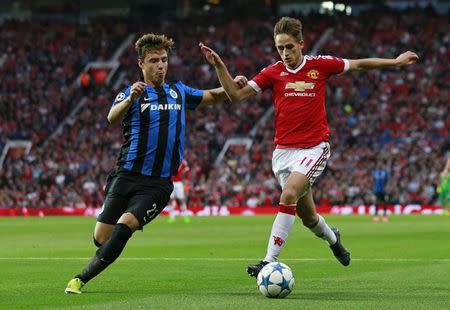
{"x":444,"y":187}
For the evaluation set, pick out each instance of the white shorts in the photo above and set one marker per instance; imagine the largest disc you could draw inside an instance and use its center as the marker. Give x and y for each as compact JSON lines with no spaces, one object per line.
{"x":310,"y":162}
{"x":178,"y":191}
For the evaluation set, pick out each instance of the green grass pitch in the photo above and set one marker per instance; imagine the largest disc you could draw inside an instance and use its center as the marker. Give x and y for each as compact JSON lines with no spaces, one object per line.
{"x":403,"y":264}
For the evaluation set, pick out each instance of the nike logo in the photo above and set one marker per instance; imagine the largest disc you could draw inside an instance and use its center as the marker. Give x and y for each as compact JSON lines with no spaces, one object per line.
{"x":146,"y":99}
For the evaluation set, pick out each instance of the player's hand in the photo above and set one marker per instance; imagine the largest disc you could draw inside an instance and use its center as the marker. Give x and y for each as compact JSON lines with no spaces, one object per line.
{"x":137,"y":89}
{"x":212,"y":57}
{"x":241,"y":81}
{"x":407,"y":58}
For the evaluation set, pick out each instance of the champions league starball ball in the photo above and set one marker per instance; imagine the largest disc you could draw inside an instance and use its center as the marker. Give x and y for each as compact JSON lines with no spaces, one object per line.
{"x":275,"y":280}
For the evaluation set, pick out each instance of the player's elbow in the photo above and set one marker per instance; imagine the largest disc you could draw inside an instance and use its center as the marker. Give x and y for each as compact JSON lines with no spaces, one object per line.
{"x":112,"y":120}
{"x":234,"y":98}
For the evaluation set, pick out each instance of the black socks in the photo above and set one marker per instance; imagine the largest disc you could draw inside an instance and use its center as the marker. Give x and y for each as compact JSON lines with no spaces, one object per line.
{"x":107,"y":253}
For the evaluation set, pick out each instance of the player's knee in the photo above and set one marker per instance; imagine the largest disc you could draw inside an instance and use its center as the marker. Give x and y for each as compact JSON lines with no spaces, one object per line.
{"x":129,"y":220}
{"x":289,"y":196}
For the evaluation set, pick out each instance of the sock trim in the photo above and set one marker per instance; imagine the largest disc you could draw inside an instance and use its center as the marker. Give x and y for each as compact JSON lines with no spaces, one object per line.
{"x":288,"y":209}
{"x":315,"y":224}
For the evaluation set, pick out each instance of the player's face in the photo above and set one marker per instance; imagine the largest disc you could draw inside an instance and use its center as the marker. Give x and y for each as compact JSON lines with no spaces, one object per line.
{"x":290,"y":50}
{"x":154,"y":66}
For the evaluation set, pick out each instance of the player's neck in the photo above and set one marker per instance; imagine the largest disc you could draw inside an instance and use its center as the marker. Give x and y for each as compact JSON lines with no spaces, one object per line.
{"x":154,"y":83}
{"x":300,"y":60}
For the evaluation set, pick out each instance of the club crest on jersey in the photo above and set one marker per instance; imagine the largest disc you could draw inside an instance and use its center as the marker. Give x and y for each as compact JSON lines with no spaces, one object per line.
{"x":173,"y":94}
{"x":300,"y":86}
{"x":313,"y":74}
{"x":120,"y":97}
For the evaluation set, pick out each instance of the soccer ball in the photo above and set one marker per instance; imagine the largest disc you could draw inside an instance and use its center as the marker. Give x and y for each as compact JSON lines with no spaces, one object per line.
{"x":275,"y":280}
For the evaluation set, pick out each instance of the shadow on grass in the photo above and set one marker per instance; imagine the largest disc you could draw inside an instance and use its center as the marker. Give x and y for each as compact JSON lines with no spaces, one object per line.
{"x":104,"y":292}
{"x":329,"y":296}
{"x":336,"y":296}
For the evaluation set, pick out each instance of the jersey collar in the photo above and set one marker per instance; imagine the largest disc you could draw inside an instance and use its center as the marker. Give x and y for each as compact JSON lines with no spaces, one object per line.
{"x":298,"y":68}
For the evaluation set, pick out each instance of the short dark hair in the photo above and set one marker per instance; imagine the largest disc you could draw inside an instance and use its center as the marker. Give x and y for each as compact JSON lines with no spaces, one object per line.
{"x":153,"y":41}
{"x":290,"y":26}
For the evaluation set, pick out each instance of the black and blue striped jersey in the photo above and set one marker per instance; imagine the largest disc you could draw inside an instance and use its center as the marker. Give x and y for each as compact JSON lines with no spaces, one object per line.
{"x":154,"y":128}
{"x":380,"y":180}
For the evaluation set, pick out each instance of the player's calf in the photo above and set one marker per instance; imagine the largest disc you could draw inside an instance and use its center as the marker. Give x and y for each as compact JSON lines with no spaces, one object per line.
{"x":97,"y":244}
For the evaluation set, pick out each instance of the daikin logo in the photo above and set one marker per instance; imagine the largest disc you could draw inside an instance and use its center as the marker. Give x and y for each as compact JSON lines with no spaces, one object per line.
{"x":160,"y":107}
{"x":167,"y":106}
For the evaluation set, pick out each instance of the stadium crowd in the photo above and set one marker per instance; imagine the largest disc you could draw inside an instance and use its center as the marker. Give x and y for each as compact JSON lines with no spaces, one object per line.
{"x":396,"y":117}
{"x":38,"y":69}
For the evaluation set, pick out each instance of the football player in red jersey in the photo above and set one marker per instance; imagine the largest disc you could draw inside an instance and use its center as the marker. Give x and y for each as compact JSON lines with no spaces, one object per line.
{"x":178,"y":196}
{"x":302,"y":135}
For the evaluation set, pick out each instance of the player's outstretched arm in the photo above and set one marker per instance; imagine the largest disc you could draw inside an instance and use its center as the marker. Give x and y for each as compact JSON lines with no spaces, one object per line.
{"x":232,"y":89}
{"x":405,"y":59}
{"x":119,"y":109}
{"x":218,"y":95}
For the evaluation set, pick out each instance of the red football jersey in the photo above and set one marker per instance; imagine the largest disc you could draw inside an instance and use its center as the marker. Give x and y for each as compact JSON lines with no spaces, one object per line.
{"x":183,"y":171}
{"x":299,"y":99}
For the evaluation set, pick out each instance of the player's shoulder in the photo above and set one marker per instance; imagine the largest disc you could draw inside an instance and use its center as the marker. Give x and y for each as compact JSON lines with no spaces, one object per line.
{"x":279,"y":65}
{"x":178,"y":83}
{"x":275,"y":67}
{"x":174,"y":81}
{"x":320,"y":58}
{"x":122,"y":94}
{"x":126,"y":89}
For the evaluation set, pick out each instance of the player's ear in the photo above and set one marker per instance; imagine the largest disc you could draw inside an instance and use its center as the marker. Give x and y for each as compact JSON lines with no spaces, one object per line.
{"x":301,"y":43}
{"x":140,"y":63}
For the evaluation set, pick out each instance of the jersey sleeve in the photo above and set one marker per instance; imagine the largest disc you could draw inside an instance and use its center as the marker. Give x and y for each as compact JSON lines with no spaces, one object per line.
{"x":121,"y":96}
{"x":261,"y":81}
{"x":193,"y":97}
{"x":333,"y":65}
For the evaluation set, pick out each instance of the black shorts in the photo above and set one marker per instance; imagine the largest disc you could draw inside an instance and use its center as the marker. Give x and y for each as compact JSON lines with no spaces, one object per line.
{"x":143,"y":196}
{"x":382,"y":198}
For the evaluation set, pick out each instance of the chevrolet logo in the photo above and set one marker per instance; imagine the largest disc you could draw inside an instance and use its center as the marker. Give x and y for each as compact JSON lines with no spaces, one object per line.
{"x":300,"y":86}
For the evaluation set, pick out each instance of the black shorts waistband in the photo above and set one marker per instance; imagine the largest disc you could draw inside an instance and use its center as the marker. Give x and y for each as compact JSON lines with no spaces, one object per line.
{"x":122,"y":171}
